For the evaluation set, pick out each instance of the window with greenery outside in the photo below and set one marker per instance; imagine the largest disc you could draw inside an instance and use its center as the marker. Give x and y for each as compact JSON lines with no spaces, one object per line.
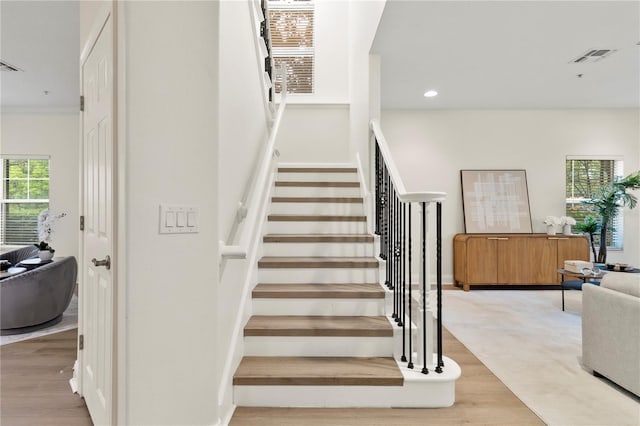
{"x":596,"y":196}
{"x":25,"y":193}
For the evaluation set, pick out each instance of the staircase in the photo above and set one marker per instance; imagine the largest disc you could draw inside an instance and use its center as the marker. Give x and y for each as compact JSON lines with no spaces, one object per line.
{"x":319,"y":334}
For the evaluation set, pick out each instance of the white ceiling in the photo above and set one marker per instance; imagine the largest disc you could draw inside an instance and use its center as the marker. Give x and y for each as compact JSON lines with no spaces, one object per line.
{"x":476,"y":54}
{"x":508,"y":54}
{"x":42,"y":39}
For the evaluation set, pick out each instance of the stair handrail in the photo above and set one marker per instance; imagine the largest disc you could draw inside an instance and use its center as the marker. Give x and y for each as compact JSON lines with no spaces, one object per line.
{"x":403,"y":194}
{"x":249,"y":210}
{"x":393,"y":215}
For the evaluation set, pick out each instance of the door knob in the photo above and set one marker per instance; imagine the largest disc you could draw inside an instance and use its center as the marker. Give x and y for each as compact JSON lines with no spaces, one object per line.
{"x":106,"y":262}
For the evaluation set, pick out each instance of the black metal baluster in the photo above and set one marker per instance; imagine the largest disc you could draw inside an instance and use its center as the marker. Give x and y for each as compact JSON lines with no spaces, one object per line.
{"x":384,"y":239}
{"x":423,"y":239}
{"x":396,"y":259}
{"x":378,"y":193}
{"x":388,"y":230}
{"x":439,"y":281}
{"x":403,"y":265}
{"x":410,"y":365}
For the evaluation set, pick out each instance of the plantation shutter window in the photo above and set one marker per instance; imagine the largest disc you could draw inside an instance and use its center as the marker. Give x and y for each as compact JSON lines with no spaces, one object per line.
{"x":587,"y":176}
{"x":291,"y":26}
{"x":24,"y":194}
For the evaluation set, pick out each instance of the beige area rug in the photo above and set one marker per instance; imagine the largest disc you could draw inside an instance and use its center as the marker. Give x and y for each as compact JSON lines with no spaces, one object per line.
{"x":69,"y":321}
{"x":534,"y":347}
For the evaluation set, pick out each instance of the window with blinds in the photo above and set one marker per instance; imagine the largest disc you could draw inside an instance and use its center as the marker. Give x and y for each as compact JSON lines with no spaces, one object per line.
{"x":24,"y":194}
{"x":291,"y":27}
{"x":586,"y":176}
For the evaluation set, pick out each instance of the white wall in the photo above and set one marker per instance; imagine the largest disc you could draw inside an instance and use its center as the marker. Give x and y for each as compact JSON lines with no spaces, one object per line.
{"x":314,"y":134}
{"x":431,"y":147}
{"x":55,"y":136}
{"x":315,"y":128}
{"x":243,"y":134}
{"x":169,"y":154}
{"x":331,"y":42}
{"x":363,"y":20}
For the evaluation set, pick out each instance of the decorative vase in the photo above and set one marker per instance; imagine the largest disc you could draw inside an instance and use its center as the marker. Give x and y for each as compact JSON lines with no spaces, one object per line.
{"x":45,"y":255}
{"x":551,"y":230}
{"x":566,"y":229}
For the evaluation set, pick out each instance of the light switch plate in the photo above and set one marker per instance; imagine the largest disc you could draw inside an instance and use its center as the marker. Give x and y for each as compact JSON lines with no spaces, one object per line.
{"x":179,"y":219}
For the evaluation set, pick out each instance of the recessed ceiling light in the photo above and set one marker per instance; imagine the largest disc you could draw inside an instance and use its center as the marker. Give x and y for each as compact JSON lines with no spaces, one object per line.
{"x":430,"y":94}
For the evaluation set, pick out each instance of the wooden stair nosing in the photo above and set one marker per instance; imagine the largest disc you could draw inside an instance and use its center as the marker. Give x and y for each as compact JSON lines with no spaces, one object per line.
{"x":352,"y":200}
{"x":318,"y":238}
{"x":317,"y":262}
{"x":317,"y":170}
{"x":318,"y":291}
{"x":314,"y":218}
{"x":316,"y":326}
{"x":318,"y":371}
{"x":304,"y":184}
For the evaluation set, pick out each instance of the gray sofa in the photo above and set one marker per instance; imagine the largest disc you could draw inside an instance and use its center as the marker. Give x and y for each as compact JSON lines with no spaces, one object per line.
{"x":611,"y":329}
{"x":36,"y":298}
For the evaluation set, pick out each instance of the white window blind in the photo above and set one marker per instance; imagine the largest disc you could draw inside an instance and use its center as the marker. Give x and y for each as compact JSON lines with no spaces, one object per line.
{"x":585,"y":177}
{"x":23,"y":195}
{"x":291,"y":27}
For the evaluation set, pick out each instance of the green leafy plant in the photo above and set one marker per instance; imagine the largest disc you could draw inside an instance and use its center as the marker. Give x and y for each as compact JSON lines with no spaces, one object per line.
{"x":607,"y":202}
{"x":589,"y":226}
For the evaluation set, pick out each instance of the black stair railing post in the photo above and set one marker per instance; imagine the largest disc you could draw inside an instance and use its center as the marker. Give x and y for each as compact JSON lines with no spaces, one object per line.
{"x":423,"y":250}
{"x":410,"y":365}
{"x":378,"y":192}
{"x":403,"y":274}
{"x":439,"y":282}
{"x":396,"y":257}
{"x":388,"y":232}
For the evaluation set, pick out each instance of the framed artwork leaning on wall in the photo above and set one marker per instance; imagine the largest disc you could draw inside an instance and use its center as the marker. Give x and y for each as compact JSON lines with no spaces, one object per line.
{"x":495,"y":202}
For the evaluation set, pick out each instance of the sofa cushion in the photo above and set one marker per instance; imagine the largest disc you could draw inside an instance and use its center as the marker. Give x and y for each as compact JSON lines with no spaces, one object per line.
{"x":624,"y":282}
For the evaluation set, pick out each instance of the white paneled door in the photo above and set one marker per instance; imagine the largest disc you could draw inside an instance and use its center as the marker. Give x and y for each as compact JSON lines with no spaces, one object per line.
{"x":97,"y":294}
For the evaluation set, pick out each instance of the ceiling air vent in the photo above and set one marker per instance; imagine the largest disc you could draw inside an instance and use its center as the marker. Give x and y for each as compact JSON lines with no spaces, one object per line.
{"x":8,"y":67}
{"x":593,"y":55}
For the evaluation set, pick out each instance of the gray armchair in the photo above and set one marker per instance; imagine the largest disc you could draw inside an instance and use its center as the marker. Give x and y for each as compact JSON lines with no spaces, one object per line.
{"x":37,"y":298}
{"x":15,"y":256}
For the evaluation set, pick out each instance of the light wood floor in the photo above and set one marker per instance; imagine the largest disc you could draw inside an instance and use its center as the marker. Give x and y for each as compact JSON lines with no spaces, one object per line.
{"x":481,"y":399}
{"x":35,"y":391}
{"x":34,"y":387}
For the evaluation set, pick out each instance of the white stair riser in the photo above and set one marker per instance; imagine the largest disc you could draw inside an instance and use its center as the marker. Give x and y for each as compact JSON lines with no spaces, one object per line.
{"x":337,"y":307}
{"x":290,"y":227}
{"x":317,"y":275}
{"x":317,"y":177}
{"x":318,"y":346}
{"x":306,"y":191}
{"x":318,"y":249}
{"x":350,"y":209}
{"x":419,"y":391}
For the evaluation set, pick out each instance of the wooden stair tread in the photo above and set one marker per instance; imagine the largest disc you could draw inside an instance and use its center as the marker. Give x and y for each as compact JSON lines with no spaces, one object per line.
{"x":318,"y":184}
{"x":318,"y":291}
{"x":317,"y":170}
{"x":317,"y":262}
{"x":314,"y":218}
{"x":317,"y":200}
{"x":318,"y":238}
{"x":318,"y":371}
{"x":313,"y":325}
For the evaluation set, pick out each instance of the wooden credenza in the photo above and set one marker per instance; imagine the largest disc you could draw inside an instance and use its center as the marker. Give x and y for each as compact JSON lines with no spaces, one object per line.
{"x":514,"y":259}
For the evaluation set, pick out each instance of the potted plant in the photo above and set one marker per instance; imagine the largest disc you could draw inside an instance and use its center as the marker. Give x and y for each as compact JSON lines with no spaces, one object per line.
{"x":589,"y":226}
{"x":607,"y":202}
{"x":46,"y":219}
{"x":45,"y":252}
{"x":552,"y":222}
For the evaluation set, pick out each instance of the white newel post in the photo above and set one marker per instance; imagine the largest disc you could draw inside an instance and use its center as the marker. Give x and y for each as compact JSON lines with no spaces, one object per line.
{"x":425,"y":314}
